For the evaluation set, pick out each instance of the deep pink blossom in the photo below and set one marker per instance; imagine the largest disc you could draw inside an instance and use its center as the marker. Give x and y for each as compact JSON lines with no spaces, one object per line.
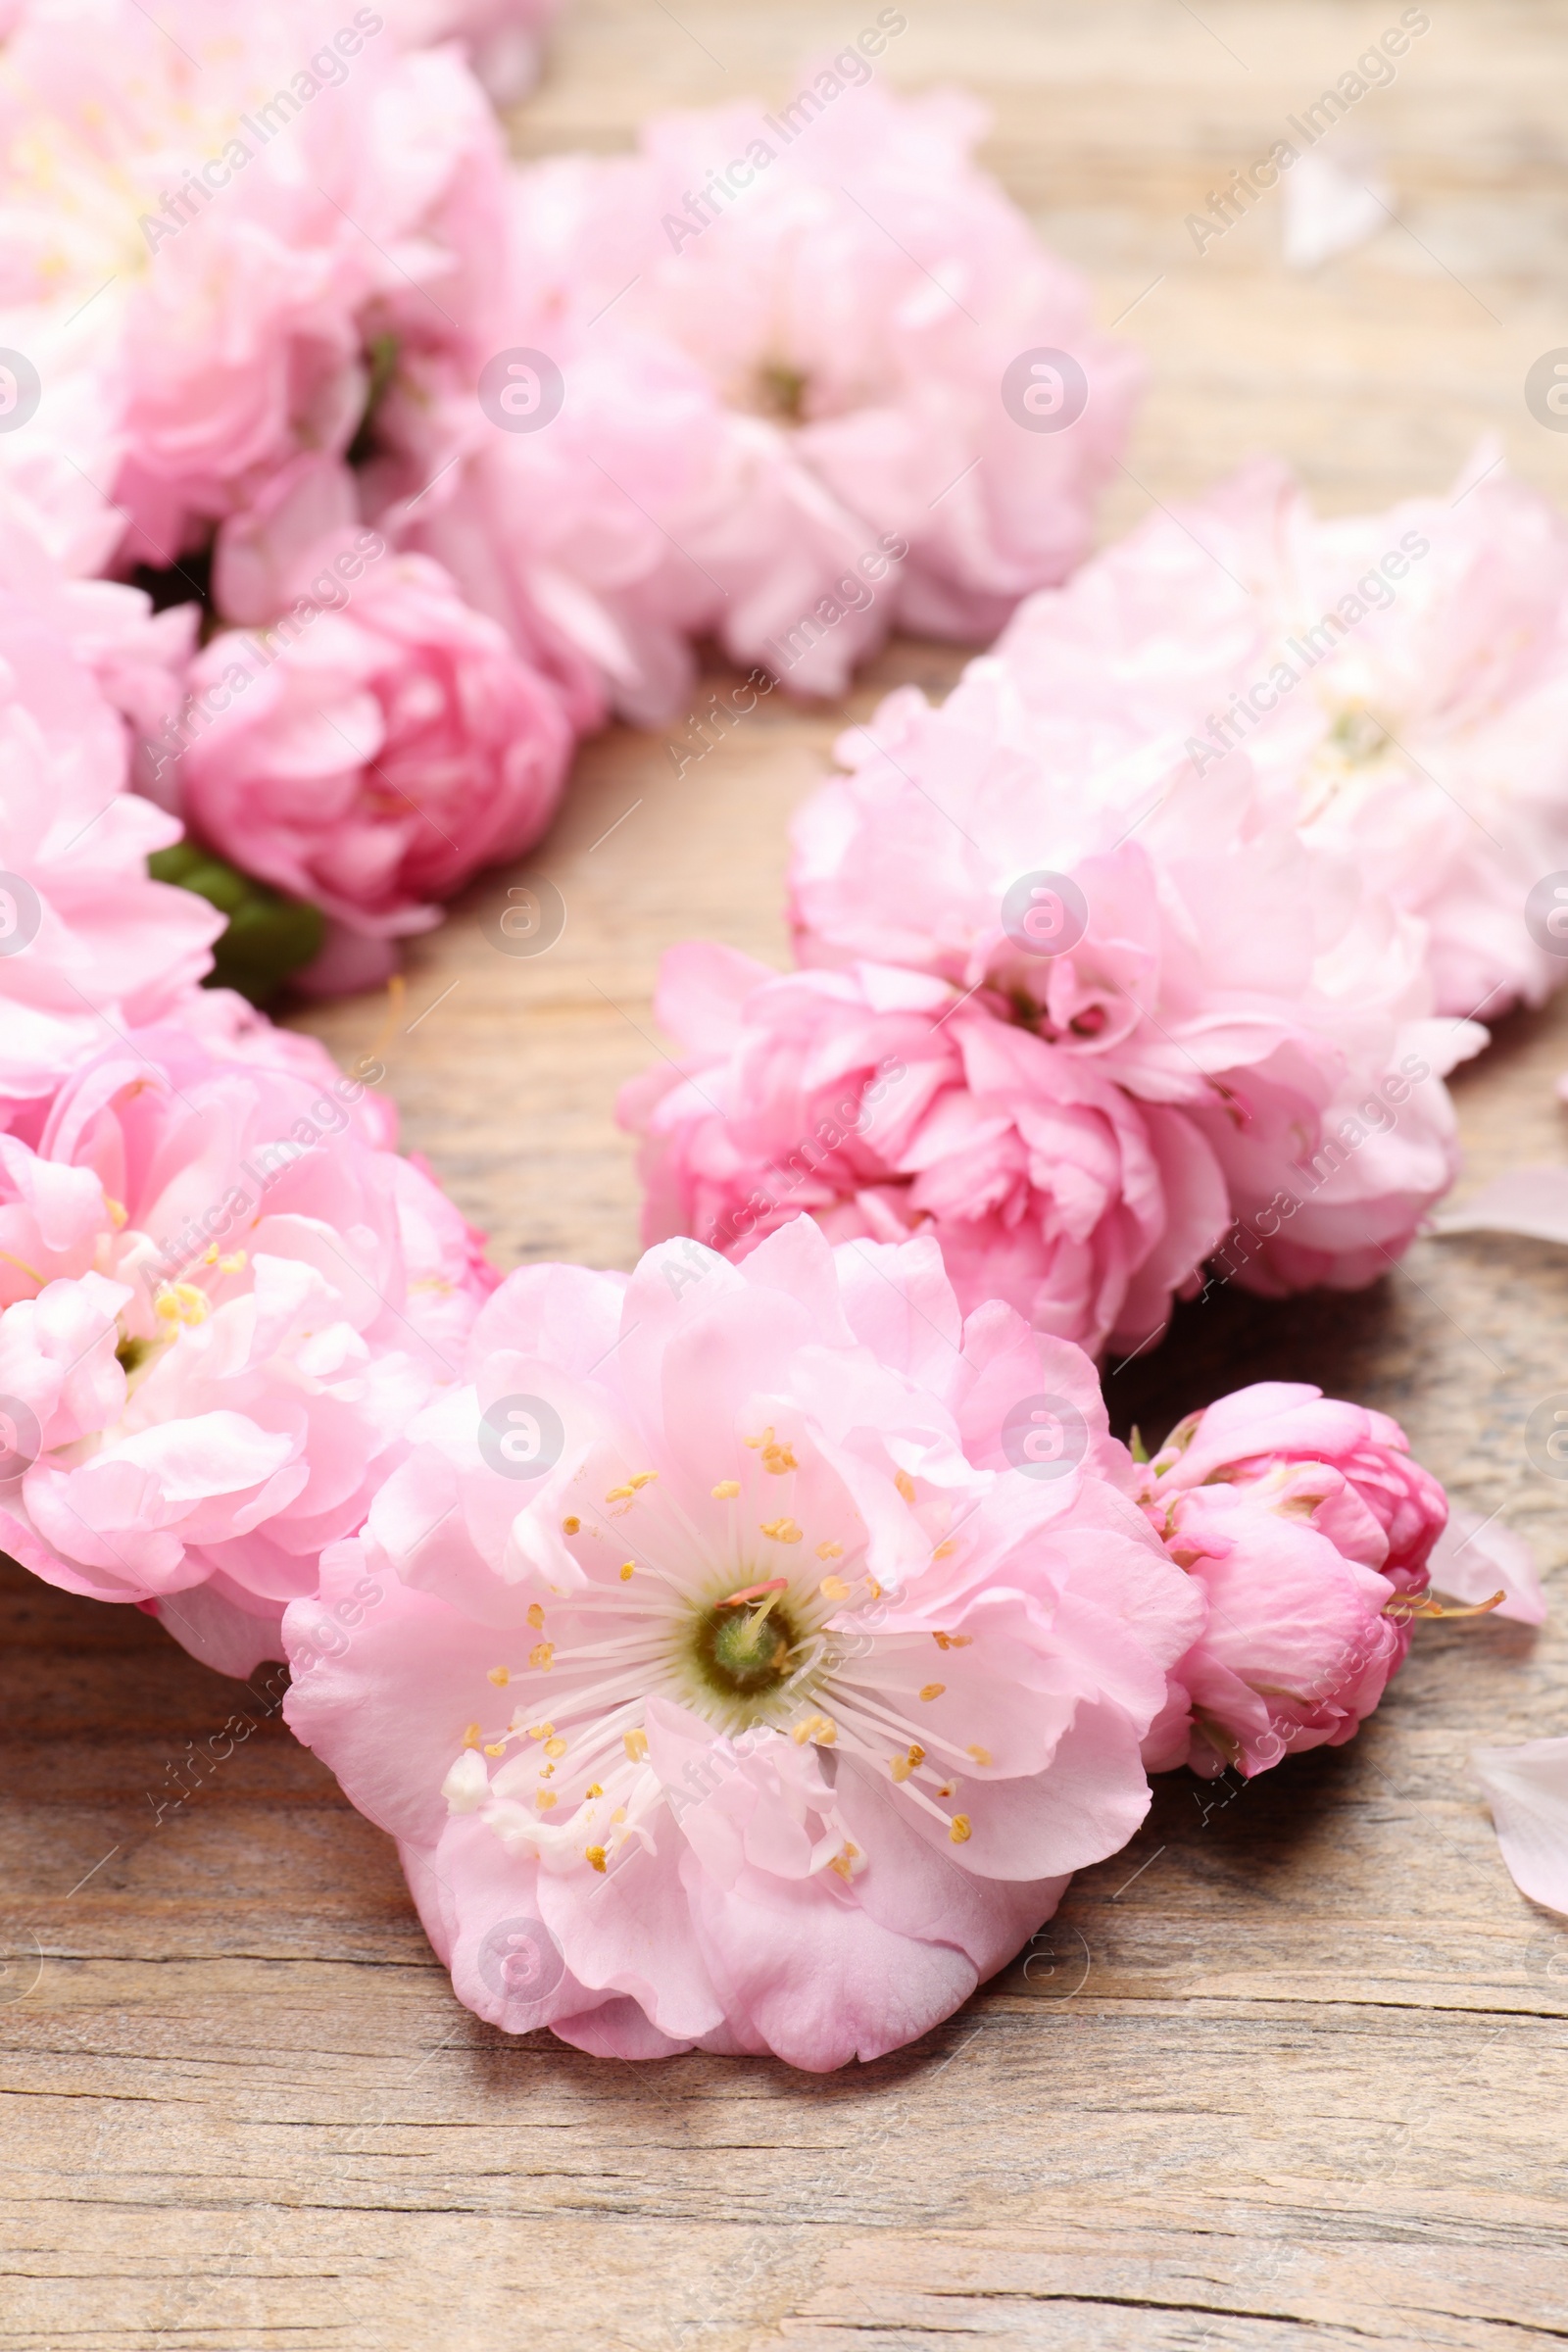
{"x":1310,"y":1529}
{"x":377,"y":743}
{"x":882,"y":1104}
{"x":712,"y":1654}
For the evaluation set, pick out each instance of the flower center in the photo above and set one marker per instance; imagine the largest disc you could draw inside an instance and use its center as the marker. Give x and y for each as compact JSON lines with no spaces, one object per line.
{"x":745,"y":1651}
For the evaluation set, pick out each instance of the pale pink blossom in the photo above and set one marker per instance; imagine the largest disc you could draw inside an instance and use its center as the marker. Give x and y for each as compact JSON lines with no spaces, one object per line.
{"x":711,"y":1653}
{"x":1527,"y":1788}
{"x":1164,"y":926}
{"x":824,"y":451}
{"x":88,"y":943}
{"x":501,"y":38}
{"x":883,"y":1104}
{"x":223,"y":1297}
{"x":223,"y":229}
{"x":375,"y":745}
{"x":1400,"y":682}
{"x":1308,"y":1527}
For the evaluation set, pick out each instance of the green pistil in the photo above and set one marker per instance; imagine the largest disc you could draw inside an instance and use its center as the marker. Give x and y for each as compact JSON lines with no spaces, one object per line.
{"x":744,"y":1652}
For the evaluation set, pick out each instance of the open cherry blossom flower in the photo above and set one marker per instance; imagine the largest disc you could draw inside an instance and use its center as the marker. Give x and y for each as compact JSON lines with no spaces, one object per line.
{"x":884,"y":1105}
{"x":843,"y":302}
{"x":1400,"y":682}
{"x":224,"y":1298}
{"x":1527,"y":1788}
{"x":269,"y":219}
{"x":762,"y":1646}
{"x":1164,"y":927}
{"x":1309,"y":1530}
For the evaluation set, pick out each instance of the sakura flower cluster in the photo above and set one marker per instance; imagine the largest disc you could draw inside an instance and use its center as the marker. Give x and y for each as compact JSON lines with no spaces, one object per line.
{"x":300,"y":347}
{"x":1089,"y":1014}
{"x":746,"y":1654}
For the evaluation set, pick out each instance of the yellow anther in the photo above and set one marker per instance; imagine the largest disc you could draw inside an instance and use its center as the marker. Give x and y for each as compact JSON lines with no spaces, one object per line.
{"x":496,"y":1748}
{"x":540,"y":1730}
{"x":781,"y":1531}
{"x":953,"y":1640}
{"x":118,"y":1213}
{"x":873,"y":1587}
{"x":594,"y":1790}
{"x":536,"y":1615}
{"x":944,"y":1552}
{"x":899,"y":1767}
{"x":594,"y":1854}
{"x":815,"y":1727}
{"x":766,"y":1439}
{"x":905,"y":1486}
{"x":916,"y":1755}
{"x":636,"y":1744}
{"x":933,"y":1690}
{"x":641,"y":1478}
{"x":833,"y":1587}
{"x":569,"y":1527}
{"x":542,"y":1655}
{"x":235,"y":1263}
{"x":726,"y":1490}
{"x":841,"y":1863}
{"x":980,"y":1756}
{"x":501,"y":1675}
{"x":830,"y":1551}
{"x":621,"y":1494}
{"x":958,"y":1829}
{"x":470,"y":1738}
{"x":544,"y":1798}
{"x":629,"y":1569}
{"x":619,"y":1814}
{"x":777,"y":1459}
{"x":182,"y":1303}
{"x":558,"y":1747}
{"x":945,"y":1789}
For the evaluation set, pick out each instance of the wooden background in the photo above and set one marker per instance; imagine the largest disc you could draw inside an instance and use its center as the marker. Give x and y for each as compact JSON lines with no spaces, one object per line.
{"x":1292,"y":2071}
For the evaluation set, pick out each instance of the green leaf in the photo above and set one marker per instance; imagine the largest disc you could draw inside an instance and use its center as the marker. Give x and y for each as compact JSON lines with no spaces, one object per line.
{"x":269,"y":936}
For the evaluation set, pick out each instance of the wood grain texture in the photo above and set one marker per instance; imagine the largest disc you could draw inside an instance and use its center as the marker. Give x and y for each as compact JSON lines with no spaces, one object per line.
{"x":1292,"y":2071}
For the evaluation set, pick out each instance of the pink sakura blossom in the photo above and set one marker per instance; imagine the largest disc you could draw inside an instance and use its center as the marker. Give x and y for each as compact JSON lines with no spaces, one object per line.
{"x":261,"y":205}
{"x":1400,"y":682}
{"x":501,"y":37}
{"x":88,"y":943}
{"x":809,"y":441}
{"x":1310,"y":1529}
{"x":881,"y":1102}
{"x":1162,"y":928}
{"x":375,"y":745}
{"x":727,"y":1674}
{"x":222,"y":1298}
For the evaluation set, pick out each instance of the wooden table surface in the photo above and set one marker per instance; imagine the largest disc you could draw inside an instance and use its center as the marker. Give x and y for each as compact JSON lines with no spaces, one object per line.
{"x":1293,"y":2070}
